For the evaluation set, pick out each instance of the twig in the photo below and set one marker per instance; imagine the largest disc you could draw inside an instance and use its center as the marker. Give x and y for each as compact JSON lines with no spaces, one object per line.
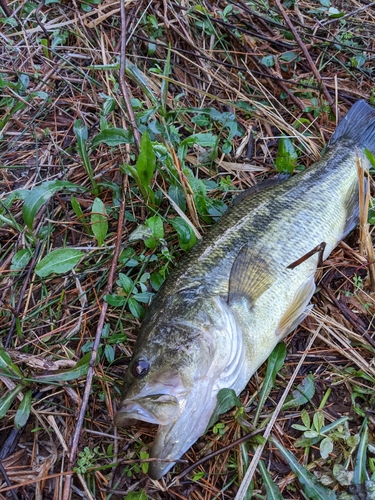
{"x":258,"y":453}
{"x":348,"y":14}
{"x":123,"y":83}
{"x":306,"y":53}
{"x":90,"y":372}
{"x":214,"y":454}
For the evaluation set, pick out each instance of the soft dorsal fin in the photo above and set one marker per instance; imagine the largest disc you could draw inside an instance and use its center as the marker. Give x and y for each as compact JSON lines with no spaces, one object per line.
{"x":250,"y":275}
{"x":260,"y":186}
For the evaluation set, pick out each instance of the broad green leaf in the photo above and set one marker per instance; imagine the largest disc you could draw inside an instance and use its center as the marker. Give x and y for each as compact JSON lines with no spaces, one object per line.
{"x":143,"y":297}
{"x":268,"y":61}
{"x":115,"y":300}
{"x":286,"y":156}
{"x":288,"y":56}
{"x":135,"y":308}
{"x":274,"y":364}
{"x":313,"y":489}
{"x":146,"y":161}
{"x":109,"y":353}
{"x":326,"y":447}
{"x":112,"y":137}
{"x":21,"y":259}
{"x":7,"y":400}
{"x":370,"y":157}
{"x":58,"y":261}
{"x":318,"y":421}
{"x":360,"y":469}
{"x":99,"y":222}
{"x":77,"y":371}
{"x":226,"y":399}
{"x":203,"y":139}
{"x":177,"y":194}
{"x":272,"y":490}
{"x":24,"y":409}
{"x":155,"y":224}
{"x":125,"y":282}
{"x":302,"y":394}
{"x":185,"y":233}
{"x":7,"y":366}
{"x":335,"y":13}
{"x":35,"y":198}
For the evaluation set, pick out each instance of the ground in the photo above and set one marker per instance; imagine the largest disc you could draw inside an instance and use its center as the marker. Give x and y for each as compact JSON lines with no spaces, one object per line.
{"x":126,"y":130}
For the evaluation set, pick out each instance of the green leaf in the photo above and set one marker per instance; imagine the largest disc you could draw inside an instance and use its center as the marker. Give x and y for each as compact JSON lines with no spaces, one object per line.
{"x":155,"y":224}
{"x":326,"y":447}
{"x":21,"y":259}
{"x":125,"y":282}
{"x":146,"y":161}
{"x":226,"y":399}
{"x":23,"y":412}
{"x":302,"y":394}
{"x":136,"y":495}
{"x":143,"y":297}
{"x":57,"y":376}
{"x":286,"y":156}
{"x":360,"y":469}
{"x":35,"y":198}
{"x":305,"y":417}
{"x":288,"y":56}
{"x":58,"y":261}
{"x":370,"y":157}
{"x":115,"y":300}
{"x":272,"y":490}
{"x":99,"y":222}
{"x":7,"y":367}
{"x":313,"y":489}
{"x":185,"y":233}
{"x":268,"y":61}
{"x":135,"y":308}
{"x":274,"y":364}
{"x":326,"y":430}
{"x":81,"y":134}
{"x":112,"y":137}
{"x":109,"y":353}
{"x":318,"y":421}
{"x":7,"y":400}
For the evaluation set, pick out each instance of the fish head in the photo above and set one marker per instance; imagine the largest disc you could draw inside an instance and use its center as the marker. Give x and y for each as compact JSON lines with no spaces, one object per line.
{"x":169,"y":382}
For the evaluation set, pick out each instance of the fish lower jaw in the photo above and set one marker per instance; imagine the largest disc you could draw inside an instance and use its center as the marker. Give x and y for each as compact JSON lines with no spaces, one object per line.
{"x":133,"y":411}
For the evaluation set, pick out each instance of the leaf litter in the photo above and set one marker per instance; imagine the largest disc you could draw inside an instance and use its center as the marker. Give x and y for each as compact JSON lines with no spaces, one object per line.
{"x":221,"y":96}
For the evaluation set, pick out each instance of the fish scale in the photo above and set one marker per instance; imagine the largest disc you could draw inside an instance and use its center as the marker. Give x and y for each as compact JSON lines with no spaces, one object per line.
{"x":222,"y":311}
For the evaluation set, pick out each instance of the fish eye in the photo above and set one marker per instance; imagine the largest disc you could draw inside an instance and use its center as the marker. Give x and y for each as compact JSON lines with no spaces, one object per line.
{"x":140,"y":368}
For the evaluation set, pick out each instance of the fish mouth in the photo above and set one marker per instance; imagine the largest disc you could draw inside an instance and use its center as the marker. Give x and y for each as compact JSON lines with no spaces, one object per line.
{"x":160,"y":409}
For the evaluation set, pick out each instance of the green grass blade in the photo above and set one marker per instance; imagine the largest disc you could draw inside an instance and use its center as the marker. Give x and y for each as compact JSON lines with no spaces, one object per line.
{"x":360,"y":470}
{"x":274,"y":364}
{"x":311,"y":486}
{"x":272,"y":490}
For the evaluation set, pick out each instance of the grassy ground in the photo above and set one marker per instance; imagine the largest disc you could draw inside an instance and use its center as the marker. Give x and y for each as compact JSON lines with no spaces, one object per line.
{"x":216,"y":97}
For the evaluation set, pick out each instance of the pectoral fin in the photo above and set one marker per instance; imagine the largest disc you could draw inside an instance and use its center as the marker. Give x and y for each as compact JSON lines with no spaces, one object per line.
{"x":298,"y":310}
{"x":250,"y":276}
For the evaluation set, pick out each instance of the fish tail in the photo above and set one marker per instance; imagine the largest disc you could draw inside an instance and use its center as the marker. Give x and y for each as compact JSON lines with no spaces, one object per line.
{"x":357,"y":126}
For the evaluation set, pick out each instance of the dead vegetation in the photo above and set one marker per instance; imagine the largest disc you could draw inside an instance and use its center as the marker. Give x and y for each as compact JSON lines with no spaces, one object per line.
{"x":245,"y":74}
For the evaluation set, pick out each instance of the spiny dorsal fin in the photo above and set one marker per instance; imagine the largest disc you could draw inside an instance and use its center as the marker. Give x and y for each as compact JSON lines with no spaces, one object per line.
{"x":260,"y":186}
{"x":250,"y":275}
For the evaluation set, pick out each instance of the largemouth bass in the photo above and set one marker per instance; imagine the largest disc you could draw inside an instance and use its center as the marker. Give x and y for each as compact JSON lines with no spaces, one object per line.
{"x":237,"y":293}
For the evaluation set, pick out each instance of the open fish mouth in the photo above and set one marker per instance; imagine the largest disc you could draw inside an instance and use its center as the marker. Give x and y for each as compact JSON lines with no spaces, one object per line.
{"x":160,"y":409}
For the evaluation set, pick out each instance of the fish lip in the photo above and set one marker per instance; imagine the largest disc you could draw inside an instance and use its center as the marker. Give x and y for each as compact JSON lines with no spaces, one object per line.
{"x":132,"y":410}
{"x":145,"y":408}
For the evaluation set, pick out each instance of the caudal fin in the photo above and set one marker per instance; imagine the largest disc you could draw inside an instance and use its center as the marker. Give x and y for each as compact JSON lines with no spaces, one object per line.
{"x":357,"y":126}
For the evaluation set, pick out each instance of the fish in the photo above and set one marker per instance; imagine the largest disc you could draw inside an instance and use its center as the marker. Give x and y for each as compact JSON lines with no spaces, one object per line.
{"x":239,"y":291}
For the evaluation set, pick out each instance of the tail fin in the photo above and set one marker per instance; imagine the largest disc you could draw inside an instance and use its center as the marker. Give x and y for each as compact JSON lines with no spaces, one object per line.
{"x":357,"y":126}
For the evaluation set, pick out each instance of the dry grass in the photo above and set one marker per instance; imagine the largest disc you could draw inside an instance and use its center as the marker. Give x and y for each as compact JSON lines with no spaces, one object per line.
{"x":71,"y":65}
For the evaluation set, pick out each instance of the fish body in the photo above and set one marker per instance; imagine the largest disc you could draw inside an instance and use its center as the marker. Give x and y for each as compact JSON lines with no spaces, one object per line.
{"x":235,"y":295}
